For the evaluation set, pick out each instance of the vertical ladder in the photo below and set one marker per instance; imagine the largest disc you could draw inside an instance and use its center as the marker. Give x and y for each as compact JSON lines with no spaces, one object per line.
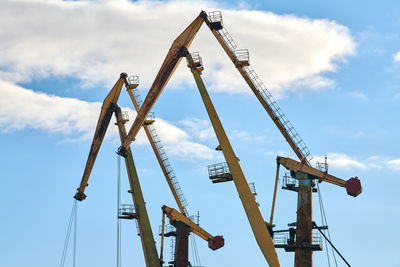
{"x":241,"y":60}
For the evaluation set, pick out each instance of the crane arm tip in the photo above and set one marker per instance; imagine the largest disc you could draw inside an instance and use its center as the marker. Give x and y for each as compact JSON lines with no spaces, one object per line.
{"x":353,"y":186}
{"x":216,"y":243}
{"x":80,"y":196}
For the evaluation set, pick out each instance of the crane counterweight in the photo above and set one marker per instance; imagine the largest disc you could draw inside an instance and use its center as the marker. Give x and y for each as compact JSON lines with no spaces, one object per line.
{"x":353,"y":186}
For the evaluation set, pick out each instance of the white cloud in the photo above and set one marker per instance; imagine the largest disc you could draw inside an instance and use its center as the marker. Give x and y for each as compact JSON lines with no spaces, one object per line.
{"x":199,"y":129}
{"x":181,"y":143}
{"x":25,"y":109}
{"x":341,"y":161}
{"x":96,"y":40}
{"x":393,"y":164}
{"x":396,"y":57}
{"x":346,"y":162}
{"x":22,"y":108}
{"x":247,"y":136}
{"x":358,"y":95}
{"x":93,"y":41}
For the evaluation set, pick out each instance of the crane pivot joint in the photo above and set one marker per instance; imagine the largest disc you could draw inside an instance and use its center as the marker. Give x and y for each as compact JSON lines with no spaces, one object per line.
{"x":122,"y":151}
{"x":203,"y":14}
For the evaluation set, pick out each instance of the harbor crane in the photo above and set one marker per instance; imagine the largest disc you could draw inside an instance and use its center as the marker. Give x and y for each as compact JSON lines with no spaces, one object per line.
{"x":178,"y":50}
{"x":148,"y":244}
{"x":240,"y":59}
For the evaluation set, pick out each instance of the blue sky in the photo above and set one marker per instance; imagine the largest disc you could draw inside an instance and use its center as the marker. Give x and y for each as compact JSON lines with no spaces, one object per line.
{"x":333,"y":68}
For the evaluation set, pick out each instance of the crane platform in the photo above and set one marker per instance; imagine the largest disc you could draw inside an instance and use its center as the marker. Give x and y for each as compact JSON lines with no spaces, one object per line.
{"x":219,"y":173}
{"x":286,"y":239}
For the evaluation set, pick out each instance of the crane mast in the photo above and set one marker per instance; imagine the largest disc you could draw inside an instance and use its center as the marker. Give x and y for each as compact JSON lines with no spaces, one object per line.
{"x":145,"y":232}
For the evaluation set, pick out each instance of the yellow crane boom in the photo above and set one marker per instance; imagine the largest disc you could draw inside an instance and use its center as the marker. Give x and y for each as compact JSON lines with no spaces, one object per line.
{"x":353,"y":185}
{"x":174,"y":56}
{"x":257,"y":223}
{"x":109,"y":106}
{"x":214,"y":242}
{"x":240,"y":58}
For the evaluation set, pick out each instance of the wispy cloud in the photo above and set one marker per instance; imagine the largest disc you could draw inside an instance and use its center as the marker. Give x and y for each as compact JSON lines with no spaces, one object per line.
{"x":247,"y":136}
{"x":393,"y":164}
{"x":199,"y":129}
{"x":182,"y":142}
{"x":396,"y":57}
{"x":94,"y":40}
{"x":342,"y":161}
{"x":358,"y":95}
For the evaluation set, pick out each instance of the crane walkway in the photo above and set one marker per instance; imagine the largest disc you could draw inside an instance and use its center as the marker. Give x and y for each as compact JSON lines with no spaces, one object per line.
{"x":160,"y":149}
{"x":240,"y":58}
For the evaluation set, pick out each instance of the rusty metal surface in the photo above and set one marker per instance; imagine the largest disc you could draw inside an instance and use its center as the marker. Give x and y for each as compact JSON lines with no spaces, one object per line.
{"x":181,"y":245}
{"x":303,"y":252}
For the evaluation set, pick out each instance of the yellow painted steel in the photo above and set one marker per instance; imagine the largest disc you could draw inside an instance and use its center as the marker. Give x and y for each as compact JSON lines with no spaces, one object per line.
{"x":174,"y":56}
{"x":158,"y":156}
{"x":146,"y":234}
{"x":257,"y":223}
{"x":274,"y":197}
{"x":294,"y":165}
{"x":109,"y":106}
{"x":175,"y":215}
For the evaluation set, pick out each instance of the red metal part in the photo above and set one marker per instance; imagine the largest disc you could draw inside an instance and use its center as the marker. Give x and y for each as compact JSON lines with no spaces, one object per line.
{"x":216,"y":243}
{"x":353,"y":186}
